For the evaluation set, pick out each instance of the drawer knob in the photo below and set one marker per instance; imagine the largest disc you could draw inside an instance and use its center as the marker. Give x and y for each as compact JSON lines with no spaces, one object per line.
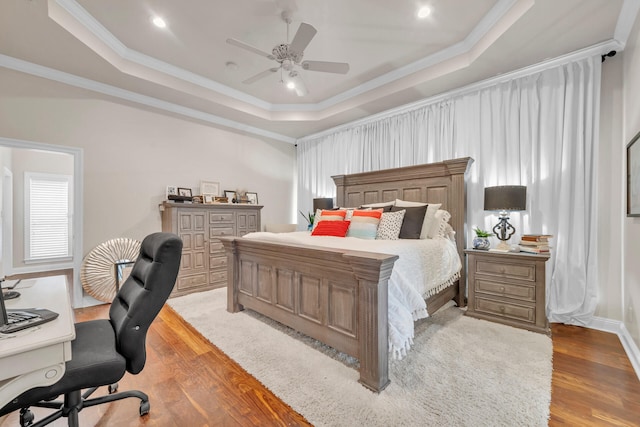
{"x":502,"y":270}
{"x":502,"y":309}
{"x":501,"y":288}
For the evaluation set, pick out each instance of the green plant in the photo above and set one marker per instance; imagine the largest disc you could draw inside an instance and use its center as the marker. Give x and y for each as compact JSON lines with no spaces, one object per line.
{"x":309,"y":217}
{"x":482,"y":233}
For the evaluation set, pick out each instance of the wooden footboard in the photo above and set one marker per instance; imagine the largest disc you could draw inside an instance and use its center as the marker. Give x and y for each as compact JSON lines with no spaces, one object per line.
{"x":337,"y":297}
{"x":340,"y":297}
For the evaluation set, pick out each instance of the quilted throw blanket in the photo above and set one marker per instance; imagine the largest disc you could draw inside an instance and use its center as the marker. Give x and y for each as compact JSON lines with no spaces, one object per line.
{"x":424,"y":267}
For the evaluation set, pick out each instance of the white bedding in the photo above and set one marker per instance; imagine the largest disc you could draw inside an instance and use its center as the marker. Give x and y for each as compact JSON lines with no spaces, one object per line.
{"x":424,"y":267}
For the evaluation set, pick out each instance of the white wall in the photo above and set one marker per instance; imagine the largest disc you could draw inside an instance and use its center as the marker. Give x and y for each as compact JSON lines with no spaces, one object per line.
{"x":131,"y":154}
{"x":631,"y":229}
{"x":609,"y":216}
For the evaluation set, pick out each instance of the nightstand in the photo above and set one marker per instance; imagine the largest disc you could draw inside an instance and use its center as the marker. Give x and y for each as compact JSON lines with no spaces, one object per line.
{"x":508,"y":288}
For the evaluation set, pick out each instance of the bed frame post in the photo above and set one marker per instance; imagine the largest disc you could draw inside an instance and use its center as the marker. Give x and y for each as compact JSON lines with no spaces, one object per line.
{"x":230,"y":247}
{"x":372,"y":274}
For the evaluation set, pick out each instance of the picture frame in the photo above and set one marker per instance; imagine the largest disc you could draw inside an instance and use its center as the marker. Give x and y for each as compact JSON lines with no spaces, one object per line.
{"x":209,"y":188}
{"x":172,"y":190}
{"x":184,"y":192}
{"x":208,"y":198}
{"x":633,"y":177}
{"x":230,"y":195}
{"x":252,"y":198}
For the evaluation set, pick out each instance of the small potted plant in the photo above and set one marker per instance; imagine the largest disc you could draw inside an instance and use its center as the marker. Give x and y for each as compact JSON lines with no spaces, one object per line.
{"x":309,"y":218}
{"x":481,"y":241}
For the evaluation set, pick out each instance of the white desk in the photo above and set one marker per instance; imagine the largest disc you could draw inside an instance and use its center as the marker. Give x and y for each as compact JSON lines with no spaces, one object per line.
{"x":36,"y":356}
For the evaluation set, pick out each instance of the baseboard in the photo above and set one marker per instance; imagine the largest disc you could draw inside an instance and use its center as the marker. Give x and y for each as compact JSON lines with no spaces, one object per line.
{"x":618,"y":328}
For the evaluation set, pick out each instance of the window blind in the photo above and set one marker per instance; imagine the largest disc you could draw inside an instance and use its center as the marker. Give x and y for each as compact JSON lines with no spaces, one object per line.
{"x":48,"y":210}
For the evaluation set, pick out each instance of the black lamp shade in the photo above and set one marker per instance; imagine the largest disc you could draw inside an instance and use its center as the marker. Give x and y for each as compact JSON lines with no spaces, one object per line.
{"x":323,"y":203}
{"x":505,"y":198}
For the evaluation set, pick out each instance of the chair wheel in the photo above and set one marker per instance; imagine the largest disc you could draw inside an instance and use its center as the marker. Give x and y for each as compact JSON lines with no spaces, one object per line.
{"x":26,"y":417}
{"x":113,"y":388}
{"x":144,"y":408}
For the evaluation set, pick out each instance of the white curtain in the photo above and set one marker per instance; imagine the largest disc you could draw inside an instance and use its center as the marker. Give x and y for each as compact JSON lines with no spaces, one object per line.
{"x":540,"y":130}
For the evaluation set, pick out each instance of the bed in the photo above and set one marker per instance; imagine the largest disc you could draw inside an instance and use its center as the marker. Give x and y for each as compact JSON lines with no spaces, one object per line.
{"x":340,"y":296}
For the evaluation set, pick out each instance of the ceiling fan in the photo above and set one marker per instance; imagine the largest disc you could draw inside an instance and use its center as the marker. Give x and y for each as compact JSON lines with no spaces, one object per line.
{"x":289,"y":55}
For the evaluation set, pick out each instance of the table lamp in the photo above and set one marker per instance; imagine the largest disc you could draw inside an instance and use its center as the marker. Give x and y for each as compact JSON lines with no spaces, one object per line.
{"x":505,"y":198}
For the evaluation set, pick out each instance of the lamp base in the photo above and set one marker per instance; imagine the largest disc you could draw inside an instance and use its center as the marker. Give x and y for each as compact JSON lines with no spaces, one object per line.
{"x":503,"y":246}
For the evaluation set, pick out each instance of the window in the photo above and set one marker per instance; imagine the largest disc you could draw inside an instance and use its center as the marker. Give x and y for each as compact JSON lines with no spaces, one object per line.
{"x":48,"y":219}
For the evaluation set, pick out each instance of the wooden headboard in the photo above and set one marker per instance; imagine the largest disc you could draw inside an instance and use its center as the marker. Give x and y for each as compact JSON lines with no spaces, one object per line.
{"x":442,"y":182}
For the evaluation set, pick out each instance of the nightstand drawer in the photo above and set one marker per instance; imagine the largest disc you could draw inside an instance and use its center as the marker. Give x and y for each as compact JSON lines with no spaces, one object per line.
{"x":522,"y":313}
{"x":507,"y":271}
{"x":524,"y":291}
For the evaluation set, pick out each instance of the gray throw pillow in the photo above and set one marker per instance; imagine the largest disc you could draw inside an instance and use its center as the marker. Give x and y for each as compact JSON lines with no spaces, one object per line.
{"x":413,"y":219}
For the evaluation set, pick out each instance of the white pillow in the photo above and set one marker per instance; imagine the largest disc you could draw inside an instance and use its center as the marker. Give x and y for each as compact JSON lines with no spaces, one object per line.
{"x":440,"y":223}
{"x":378,"y":205}
{"x":429,"y":216}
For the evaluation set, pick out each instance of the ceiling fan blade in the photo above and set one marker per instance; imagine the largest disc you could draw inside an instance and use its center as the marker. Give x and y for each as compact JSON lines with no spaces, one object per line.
{"x":326,"y":67}
{"x":250,"y":48}
{"x":261,"y":75}
{"x":302,"y":38}
{"x":299,"y":86}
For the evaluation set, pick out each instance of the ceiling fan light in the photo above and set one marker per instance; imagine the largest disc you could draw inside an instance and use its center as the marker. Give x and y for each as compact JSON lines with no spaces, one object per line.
{"x":159,"y":22}
{"x":291,"y":85}
{"x":424,"y":11}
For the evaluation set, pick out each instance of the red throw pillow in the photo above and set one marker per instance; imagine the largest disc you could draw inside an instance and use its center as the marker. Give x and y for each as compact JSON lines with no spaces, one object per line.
{"x":331,"y":228}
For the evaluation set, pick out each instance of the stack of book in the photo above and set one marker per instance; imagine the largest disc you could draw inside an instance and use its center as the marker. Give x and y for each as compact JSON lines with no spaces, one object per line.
{"x":535,"y":243}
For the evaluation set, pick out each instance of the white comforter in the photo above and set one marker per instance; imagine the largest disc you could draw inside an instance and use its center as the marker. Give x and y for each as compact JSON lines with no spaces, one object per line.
{"x":424,"y":267}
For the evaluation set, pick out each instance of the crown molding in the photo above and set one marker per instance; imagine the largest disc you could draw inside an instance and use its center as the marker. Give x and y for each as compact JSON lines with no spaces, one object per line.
{"x":597,"y":49}
{"x":105,"y":89}
{"x":82,"y":25}
{"x":626,"y":19}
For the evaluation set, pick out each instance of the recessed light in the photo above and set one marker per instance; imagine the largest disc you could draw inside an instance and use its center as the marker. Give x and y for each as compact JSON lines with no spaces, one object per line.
{"x":159,"y":22}
{"x":424,"y":11}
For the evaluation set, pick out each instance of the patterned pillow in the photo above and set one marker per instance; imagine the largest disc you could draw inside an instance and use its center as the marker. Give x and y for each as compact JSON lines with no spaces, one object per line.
{"x":328,"y":215}
{"x":331,"y":228}
{"x":364,"y":223}
{"x":390,"y":225}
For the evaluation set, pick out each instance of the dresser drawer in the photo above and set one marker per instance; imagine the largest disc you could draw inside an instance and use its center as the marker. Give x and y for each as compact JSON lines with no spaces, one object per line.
{"x":522,"y":291}
{"x":218,"y":278}
{"x":215,"y":217}
{"x":188,"y":282}
{"x":216,"y":246}
{"x":217,"y":262}
{"x":220,"y":231}
{"x":507,"y":271}
{"x":522,"y":313}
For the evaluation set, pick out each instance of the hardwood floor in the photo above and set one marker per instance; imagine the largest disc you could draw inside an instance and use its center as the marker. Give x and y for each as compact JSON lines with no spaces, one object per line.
{"x":191,"y":383}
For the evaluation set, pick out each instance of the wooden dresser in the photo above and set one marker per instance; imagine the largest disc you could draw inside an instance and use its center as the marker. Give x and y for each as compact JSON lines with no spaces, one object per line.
{"x":508,"y":288}
{"x":204,"y":262}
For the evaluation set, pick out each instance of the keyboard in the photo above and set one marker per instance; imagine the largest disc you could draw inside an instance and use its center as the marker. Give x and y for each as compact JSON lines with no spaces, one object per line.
{"x":18,"y":320}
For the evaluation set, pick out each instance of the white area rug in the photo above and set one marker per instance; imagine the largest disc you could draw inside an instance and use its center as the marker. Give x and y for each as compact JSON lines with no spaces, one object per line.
{"x":460,"y":372}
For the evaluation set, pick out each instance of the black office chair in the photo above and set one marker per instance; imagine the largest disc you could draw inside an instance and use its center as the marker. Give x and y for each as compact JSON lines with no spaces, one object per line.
{"x":105,"y":349}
